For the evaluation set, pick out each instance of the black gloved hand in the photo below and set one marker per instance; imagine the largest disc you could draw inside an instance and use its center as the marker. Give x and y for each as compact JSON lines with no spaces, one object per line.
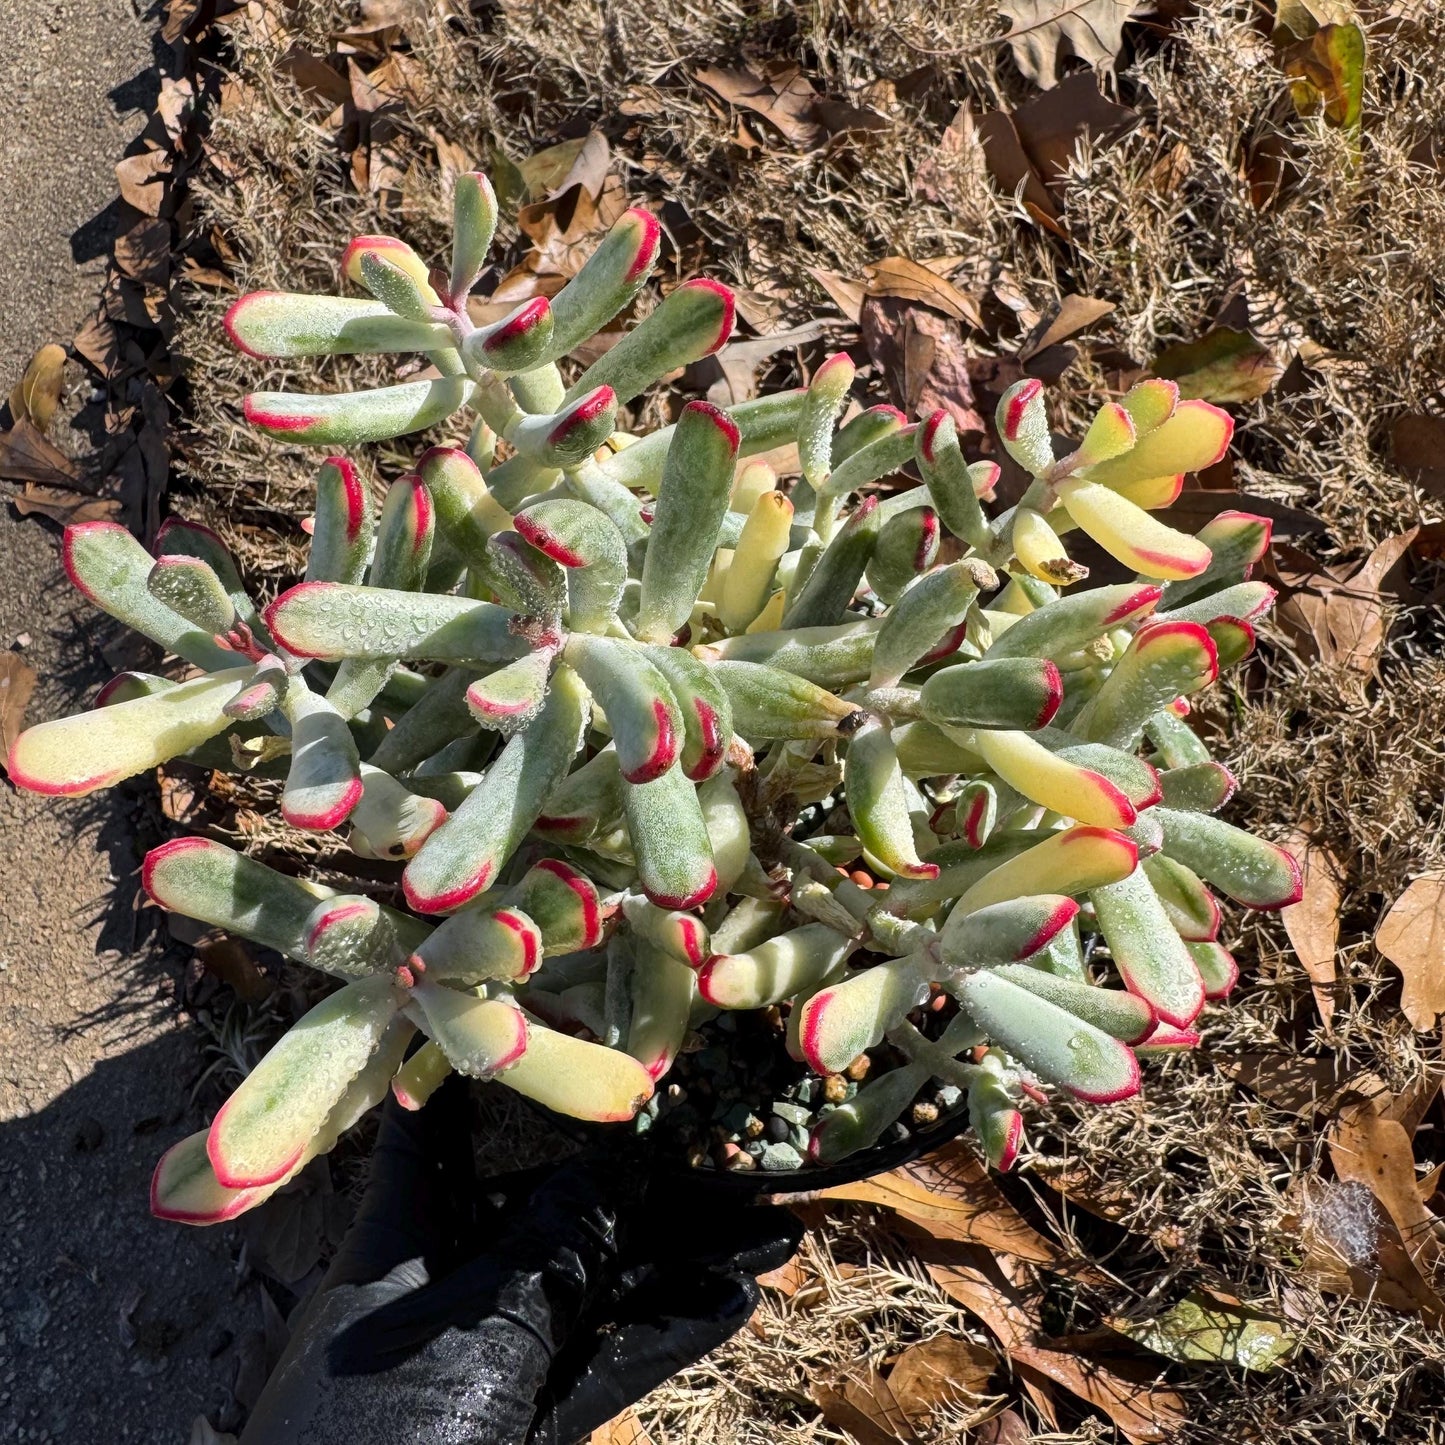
{"x":530,"y":1308}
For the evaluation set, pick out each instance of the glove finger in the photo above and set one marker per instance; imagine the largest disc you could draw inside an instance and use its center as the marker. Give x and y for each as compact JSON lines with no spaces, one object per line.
{"x":669,"y":1322}
{"x":718,"y":1231}
{"x":550,"y":1260}
{"x":420,"y":1200}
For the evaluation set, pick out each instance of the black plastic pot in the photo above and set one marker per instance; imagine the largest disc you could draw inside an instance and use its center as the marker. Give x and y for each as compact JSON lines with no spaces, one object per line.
{"x":770,"y":1183}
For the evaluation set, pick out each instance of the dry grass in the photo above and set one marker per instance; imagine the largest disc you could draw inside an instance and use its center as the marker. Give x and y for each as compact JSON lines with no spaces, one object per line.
{"x":1343,"y":268}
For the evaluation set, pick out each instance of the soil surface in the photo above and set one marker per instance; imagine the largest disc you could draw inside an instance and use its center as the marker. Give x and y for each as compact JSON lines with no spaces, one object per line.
{"x":113,"y":1326}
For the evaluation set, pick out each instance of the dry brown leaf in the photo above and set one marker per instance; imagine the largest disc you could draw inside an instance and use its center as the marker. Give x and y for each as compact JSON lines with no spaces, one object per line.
{"x":1303,"y":1086}
{"x":787,"y":1279}
{"x":230,"y":960}
{"x":1091,"y":30}
{"x":912,"y":281}
{"x":864,"y":1406}
{"x":623,"y":1429}
{"x":144,"y":252}
{"x":36,"y":396}
{"x":1009,"y":164}
{"x":17,"y":683}
{"x":923,"y":357}
{"x":1412,"y":937}
{"x":64,"y":506}
{"x":846,"y":295}
{"x":941,"y":176}
{"x":314,"y":77}
{"x":1050,"y":126}
{"x":1223,"y":365}
{"x":141,"y":180}
{"x":26,"y":456}
{"x":1140,"y":1410}
{"x":1072,"y":315}
{"x":1376,"y":1151}
{"x":1355,"y":613}
{"x":950,"y":1195}
{"x":97,"y":343}
{"x":934,"y":1374}
{"x":783,"y":97}
{"x":1005,"y":1428}
{"x":1313,"y":924}
{"x":1417,"y":445}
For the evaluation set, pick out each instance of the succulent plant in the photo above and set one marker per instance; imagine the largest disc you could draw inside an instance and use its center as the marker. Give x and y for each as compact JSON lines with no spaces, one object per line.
{"x":604,"y":699}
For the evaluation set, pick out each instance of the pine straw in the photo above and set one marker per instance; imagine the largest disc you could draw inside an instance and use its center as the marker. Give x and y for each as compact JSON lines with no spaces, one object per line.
{"x":1344,"y":268}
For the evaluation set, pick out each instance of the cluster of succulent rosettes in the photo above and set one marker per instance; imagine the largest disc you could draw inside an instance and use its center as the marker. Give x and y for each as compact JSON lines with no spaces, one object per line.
{"x":624,"y":705}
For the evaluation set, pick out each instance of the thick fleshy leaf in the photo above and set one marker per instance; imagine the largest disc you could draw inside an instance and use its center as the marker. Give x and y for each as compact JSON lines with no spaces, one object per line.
{"x":1038,"y":549}
{"x":350,"y":936}
{"x":885,"y":454}
{"x":1150,"y":956}
{"x":465,"y":855}
{"x":283,"y":323}
{"x":1121,"y":1015}
{"x":479,"y":1036}
{"x":1136,"y":779}
{"x":1192,"y":909}
{"x":185,"y":1190}
{"x":391,"y":821}
{"x":342,"y":527}
{"x":859,"y":1123}
{"x":1150,"y":403}
{"x":1236,"y":541}
{"x":1008,"y":932}
{"x":865,"y":428}
{"x":563,"y":903}
{"x":474,"y":223}
{"x":691,"y":502}
{"x":929,"y":613}
{"x":518,"y":342}
{"x":728,"y":827}
{"x":682,"y":936}
{"x":1110,"y":434}
{"x":582,"y":540}
{"x":612,"y":275}
{"x":693,"y":321}
{"x":333,"y":620}
{"x":467,"y":513}
{"x":481,"y":944}
{"x":832,"y":657}
{"x":438,"y":718}
{"x":397,"y":286}
{"x":1216,"y":967}
{"x":949,"y":480}
{"x":878,"y":803}
{"x":1251,"y":871}
{"x":641,"y":710}
{"x":79,"y":754}
{"x":827,"y":393}
{"x":420,"y":1076}
{"x":1071,"y":862}
{"x":670,"y":839}
{"x":1165,"y":660}
{"x":843,"y":1019}
{"x":760,"y":547}
{"x":509,"y":698}
{"x":178,"y":537}
{"x":264,"y":1128}
{"x":765,"y":423}
{"x":521,"y":578}
{"x":215,"y":885}
{"x":777,"y":969}
{"x":768,"y":704}
{"x":1131,"y":534}
{"x":1053,"y":782}
{"x":189,"y":586}
{"x":1070,"y":623}
{"x":1005,"y":692}
{"x":1198,"y":787}
{"x":995,"y":1117}
{"x":1153,"y":494}
{"x":110,"y":568}
{"x":907,"y":547}
{"x":585,"y":802}
{"x":323,"y":784}
{"x":564,"y":438}
{"x":390,"y":249}
{"x":1048,"y":1040}
{"x":662,"y":994}
{"x":1175,"y":740}
{"x":1244,"y":602}
{"x":1195,"y":436}
{"x":353,"y":418}
{"x":702,"y":700}
{"x":581,"y":1079}
{"x":825,"y":596}
{"x":1023,"y":426}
